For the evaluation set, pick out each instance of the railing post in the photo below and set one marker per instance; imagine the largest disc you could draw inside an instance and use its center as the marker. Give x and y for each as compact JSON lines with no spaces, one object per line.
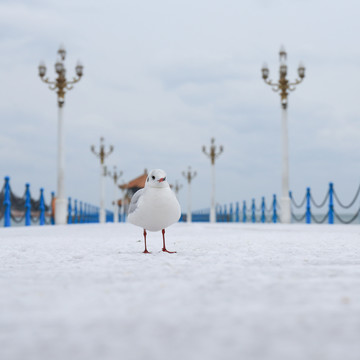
{"x":86,"y":211}
{"x":237,"y":212}
{"x":75,"y":212}
{"x":81,"y":213}
{"x":263,"y":209}
{"x":7,"y":203}
{"x":331,"y":203}
{"x":27,"y":205}
{"x":52,"y":208}
{"x":308,"y":206}
{"x":220,"y":214}
{"x":274,"y":209}
{"x":253,"y":217}
{"x":244,"y":211}
{"x":69,"y":211}
{"x":42,"y":207}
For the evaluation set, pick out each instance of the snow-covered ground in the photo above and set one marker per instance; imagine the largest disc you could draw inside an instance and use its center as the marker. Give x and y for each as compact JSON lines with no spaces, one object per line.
{"x":232,"y":291}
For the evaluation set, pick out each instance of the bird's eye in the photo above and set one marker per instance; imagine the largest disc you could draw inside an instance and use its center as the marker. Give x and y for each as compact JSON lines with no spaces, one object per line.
{"x":164,"y":178}
{"x":153,"y":177}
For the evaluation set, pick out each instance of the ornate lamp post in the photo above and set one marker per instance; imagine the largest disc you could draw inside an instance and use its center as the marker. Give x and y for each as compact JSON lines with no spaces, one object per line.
{"x":115,"y":176}
{"x":213,"y":155}
{"x":60,"y":85}
{"x":283,"y":86}
{"x":177,"y":188}
{"x":189,"y":176}
{"x":102,"y":154}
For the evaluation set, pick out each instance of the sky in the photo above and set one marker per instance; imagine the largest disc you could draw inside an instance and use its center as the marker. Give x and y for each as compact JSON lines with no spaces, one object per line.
{"x":162,"y":78}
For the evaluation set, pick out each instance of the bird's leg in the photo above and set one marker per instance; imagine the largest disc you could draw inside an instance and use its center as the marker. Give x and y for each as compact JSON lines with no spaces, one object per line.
{"x":145,"y":251}
{"x":164,"y":248}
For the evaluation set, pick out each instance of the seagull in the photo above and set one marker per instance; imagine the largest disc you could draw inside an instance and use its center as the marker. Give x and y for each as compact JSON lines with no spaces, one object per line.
{"x":155,"y":207}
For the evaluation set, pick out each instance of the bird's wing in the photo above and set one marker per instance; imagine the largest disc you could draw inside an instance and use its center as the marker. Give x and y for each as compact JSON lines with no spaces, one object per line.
{"x":135,"y":200}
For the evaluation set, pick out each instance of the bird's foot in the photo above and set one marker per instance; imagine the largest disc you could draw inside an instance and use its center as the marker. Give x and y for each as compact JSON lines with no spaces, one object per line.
{"x":170,"y":252}
{"x":146,"y":252}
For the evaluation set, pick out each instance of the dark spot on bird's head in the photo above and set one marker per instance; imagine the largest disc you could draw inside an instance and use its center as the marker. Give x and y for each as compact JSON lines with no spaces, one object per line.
{"x":153,"y":177}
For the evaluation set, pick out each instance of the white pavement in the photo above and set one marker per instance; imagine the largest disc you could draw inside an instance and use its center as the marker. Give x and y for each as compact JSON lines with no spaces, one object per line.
{"x":232,"y":291}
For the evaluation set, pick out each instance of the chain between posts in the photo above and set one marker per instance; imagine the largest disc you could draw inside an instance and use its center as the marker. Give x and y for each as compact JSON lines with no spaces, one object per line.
{"x":347,"y":221}
{"x":322,"y":204}
{"x":351,"y":203}
{"x":297,"y":205}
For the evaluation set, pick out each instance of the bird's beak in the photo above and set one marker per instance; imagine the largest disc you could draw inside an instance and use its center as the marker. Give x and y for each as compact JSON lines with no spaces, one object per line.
{"x":161,"y":180}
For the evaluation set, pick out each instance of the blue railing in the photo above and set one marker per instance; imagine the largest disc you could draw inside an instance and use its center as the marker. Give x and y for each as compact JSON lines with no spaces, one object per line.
{"x":330,"y":212}
{"x":82,"y":213}
{"x":264,"y":214}
{"x":24,"y":210}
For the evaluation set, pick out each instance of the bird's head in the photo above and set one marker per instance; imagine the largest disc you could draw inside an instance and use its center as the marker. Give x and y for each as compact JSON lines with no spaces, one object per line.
{"x":157,"y":179}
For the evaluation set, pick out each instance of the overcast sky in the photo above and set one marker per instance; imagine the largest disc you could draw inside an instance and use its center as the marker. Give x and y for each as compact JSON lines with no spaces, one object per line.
{"x":162,"y":77}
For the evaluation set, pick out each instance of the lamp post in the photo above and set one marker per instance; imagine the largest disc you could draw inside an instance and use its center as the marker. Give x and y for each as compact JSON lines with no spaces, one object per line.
{"x":177,"y":188}
{"x":102,"y":154}
{"x":283,"y":86}
{"x":213,"y":155}
{"x":123,"y":201}
{"x":61,"y":85}
{"x":115,"y":176}
{"x":189,"y":176}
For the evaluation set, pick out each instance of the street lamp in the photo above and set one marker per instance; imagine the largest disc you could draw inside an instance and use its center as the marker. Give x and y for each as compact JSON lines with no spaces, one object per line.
{"x":102,"y":154}
{"x":60,"y":84}
{"x":115,"y":176}
{"x":283,"y":86}
{"x":213,"y":155}
{"x":189,"y":176}
{"x":177,"y":188}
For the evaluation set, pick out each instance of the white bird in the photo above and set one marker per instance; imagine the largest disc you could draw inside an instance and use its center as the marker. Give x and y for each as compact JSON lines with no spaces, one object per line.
{"x":155,"y":207}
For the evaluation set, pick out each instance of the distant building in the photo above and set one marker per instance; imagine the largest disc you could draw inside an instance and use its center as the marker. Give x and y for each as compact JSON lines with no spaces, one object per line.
{"x":131,"y":188}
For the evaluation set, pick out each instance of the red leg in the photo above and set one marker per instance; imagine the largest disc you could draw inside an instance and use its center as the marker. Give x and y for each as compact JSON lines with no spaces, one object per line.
{"x":164,"y":247}
{"x":145,"y":251}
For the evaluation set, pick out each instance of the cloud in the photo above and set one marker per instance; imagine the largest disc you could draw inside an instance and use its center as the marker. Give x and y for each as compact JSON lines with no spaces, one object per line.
{"x":161,"y":79}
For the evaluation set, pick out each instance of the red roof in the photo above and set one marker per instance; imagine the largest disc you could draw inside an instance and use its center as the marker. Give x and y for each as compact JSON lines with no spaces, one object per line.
{"x":138,"y":182}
